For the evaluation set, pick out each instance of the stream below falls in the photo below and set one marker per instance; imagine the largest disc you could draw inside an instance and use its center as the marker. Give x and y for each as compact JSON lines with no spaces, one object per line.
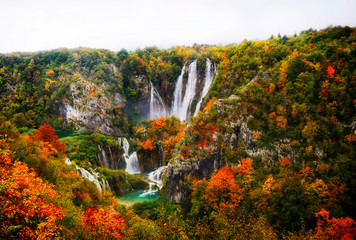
{"x":155,"y":184}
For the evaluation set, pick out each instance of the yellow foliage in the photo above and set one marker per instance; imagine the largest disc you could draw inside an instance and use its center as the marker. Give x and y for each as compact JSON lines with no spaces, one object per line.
{"x":319,"y":187}
{"x":267,"y":187}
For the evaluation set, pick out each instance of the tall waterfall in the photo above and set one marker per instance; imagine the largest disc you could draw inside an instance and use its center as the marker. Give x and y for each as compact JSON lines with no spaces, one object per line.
{"x":157,"y":106}
{"x":209,"y":76}
{"x":178,"y":95}
{"x":182,"y":105}
{"x":132,"y":165}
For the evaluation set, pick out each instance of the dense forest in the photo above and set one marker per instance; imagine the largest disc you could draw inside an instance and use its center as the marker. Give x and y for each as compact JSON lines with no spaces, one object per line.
{"x":270,"y":155}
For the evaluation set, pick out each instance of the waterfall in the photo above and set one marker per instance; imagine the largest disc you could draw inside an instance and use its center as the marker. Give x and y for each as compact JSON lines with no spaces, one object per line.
{"x":182,"y":108}
{"x":93,"y":177}
{"x":132,"y":165}
{"x":209,"y":76}
{"x":157,"y":106}
{"x":155,"y":181}
{"x":177,"y":96}
{"x":103,"y":159}
{"x":113,"y":166}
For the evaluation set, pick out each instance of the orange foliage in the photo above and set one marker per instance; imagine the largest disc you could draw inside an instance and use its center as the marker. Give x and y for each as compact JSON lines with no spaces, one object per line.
{"x":50,"y":72}
{"x":272,"y":115}
{"x":294,"y":111}
{"x":285,"y":163}
{"x":104,"y":223}
{"x":148,"y":145}
{"x":210,"y":104}
{"x":222,"y":190}
{"x":272,"y":88}
{"x":334,"y":228}
{"x":309,"y":149}
{"x":281,"y":123}
{"x":256,"y":135}
{"x":46,"y":134}
{"x":159,"y":123}
{"x":331,"y":71}
{"x":324,"y":168}
{"x":25,"y":213}
{"x":142,"y":63}
{"x":246,"y":165}
{"x":170,"y":143}
{"x":350,"y":138}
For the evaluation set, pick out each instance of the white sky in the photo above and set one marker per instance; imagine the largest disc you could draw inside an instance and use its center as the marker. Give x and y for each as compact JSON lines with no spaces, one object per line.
{"x":32,"y":25}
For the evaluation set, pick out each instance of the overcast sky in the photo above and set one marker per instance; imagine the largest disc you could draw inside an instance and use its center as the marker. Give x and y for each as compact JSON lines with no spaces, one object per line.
{"x":32,"y":25}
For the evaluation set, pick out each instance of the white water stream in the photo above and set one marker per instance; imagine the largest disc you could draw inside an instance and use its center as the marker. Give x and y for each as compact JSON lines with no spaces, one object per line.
{"x":93,"y":177}
{"x":157,"y":106}
{"x":155,"y":181}
{"x":132,"y":165}
{"x":209,"y":76}
{"x":184,"y":105}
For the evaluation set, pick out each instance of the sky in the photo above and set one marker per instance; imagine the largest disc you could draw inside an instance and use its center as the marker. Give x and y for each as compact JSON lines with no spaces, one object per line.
{"x":33,"y":25}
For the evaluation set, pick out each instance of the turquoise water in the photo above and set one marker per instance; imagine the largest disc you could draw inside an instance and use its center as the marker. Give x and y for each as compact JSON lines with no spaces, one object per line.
{"x":133,"y":197}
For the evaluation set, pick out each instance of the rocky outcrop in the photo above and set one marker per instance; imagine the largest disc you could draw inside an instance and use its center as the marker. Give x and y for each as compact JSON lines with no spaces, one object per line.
{"x":89,"y":108}
{"x":176,"y":175}
{"x":150,"y":160}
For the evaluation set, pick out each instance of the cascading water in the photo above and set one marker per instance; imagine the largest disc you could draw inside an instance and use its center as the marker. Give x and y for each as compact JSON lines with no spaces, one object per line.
{"x":182,"y":105}
{"x":157,"y":106}
{"x":178,"y":95}
{"x":103,"y":157}
{"x":155,"y":181}
{"x":102,"y":186}
{"x":132,"y":165}
{"x":209,"y":76}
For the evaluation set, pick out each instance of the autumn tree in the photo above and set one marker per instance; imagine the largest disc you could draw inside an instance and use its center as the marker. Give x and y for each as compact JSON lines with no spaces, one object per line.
{"x":46,"y":134}
{"x":220,"y":193}
{"x":25,"y":208}
{"x":334,"y":228}
{"x":104,"y":223}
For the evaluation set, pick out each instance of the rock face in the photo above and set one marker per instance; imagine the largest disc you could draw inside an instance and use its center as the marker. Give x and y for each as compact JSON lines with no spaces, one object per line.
{"x":150,"y":160}
{"x":176,"y":175}
{"x":89,"y":108}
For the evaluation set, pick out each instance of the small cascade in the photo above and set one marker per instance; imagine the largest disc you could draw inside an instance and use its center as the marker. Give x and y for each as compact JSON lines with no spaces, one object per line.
{"x":103,"y":157}
{"x":155,"y":181}
{"x":102,"y":186}
{"x":132,"y":165}
{"x":112,"y":160}
{"x":157,"y":106}
{"x":209,"y":76}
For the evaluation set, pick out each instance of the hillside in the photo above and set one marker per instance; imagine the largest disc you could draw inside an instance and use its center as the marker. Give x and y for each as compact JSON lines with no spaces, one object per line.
{"x":247,"y":141}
